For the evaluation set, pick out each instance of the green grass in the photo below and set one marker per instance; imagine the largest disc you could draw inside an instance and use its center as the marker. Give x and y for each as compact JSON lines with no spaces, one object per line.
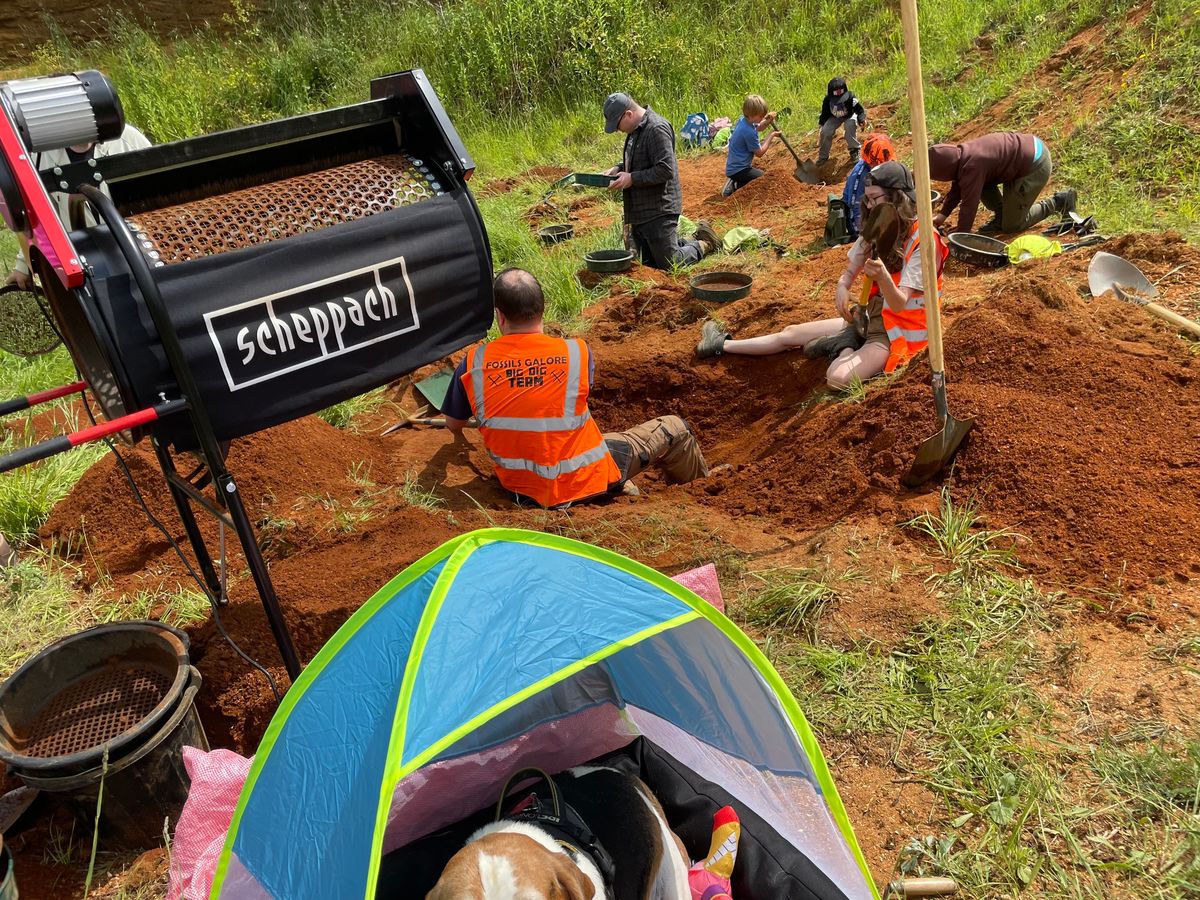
{"x":39,"y":603}
{"x":1128,"y":155}
{"x":345,"y":414}
{"x":525,"y":81}
{"x":28,"y":494}
{"x":958,"y":538}
{"x":789,"y":600}
{"x":957,"y":708}
{"x":515,"y":242}
{"x":414,"y":493}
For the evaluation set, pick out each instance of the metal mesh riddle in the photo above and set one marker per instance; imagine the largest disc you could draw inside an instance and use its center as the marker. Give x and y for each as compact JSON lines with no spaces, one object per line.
{"x":282,"y":208}
{"x":96,"y":709}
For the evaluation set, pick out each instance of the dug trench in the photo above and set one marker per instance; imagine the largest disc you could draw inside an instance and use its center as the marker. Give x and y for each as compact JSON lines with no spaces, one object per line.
{"x":1086,"y":445}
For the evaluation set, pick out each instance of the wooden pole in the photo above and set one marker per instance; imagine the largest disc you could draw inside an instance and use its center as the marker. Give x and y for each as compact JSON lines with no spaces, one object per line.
{"x":920,"y":144}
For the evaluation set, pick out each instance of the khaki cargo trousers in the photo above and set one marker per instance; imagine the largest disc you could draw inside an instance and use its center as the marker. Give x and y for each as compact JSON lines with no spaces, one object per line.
{"x":665,"y":442}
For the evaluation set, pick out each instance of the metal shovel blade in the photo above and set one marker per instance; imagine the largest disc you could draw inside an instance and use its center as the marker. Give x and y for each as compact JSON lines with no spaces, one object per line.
{"x":1108,"y":269}
{"x":935,"y":453}
{"x":808,"y":172}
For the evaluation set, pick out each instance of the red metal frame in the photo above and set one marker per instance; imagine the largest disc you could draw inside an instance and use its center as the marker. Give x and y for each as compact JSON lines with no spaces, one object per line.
{"x":44,"y":229}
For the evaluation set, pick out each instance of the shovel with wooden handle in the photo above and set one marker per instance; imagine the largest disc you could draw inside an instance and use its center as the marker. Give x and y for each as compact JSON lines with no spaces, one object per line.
{"x":935,"y":452}
{"x":1109,"y":272}
{"x":806,"y":171}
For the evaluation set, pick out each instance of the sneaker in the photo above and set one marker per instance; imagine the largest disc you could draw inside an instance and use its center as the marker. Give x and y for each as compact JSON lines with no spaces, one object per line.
{"x":705,"y":234}
{"x":712,"y":340}
{"x":833,"y":344}
{"x":991,"y":227}
{"x":1064,"y":201}
{"x":729,"y":188}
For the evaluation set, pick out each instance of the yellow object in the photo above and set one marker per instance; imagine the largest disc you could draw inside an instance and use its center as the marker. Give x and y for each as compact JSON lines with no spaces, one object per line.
{"x":722,"y":852}
{"x":1032,"y":246}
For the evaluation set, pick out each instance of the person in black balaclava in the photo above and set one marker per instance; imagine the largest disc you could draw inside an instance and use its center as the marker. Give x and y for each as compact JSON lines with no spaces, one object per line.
{"x":840,"y":107}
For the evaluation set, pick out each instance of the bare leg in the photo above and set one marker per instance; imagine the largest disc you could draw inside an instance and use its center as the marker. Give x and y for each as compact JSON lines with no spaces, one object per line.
{"x":791,"y":338}
{"x":865,"y":362}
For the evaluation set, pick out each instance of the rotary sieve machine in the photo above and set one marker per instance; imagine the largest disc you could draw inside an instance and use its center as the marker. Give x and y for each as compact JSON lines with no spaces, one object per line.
{"x":213,"y":287}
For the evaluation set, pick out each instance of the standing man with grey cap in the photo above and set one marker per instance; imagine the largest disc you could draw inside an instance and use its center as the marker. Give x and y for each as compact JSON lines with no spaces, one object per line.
{"x":648,"y":175}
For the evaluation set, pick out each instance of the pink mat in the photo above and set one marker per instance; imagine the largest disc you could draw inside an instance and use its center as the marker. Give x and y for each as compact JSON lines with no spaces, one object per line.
{"x":703,"y":581}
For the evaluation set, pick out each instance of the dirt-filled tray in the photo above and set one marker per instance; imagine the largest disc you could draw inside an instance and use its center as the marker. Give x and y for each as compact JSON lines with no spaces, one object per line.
{"x":721,"y":287}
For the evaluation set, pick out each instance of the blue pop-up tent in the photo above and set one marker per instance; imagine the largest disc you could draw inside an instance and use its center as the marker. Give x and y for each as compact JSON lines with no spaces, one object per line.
{"x":504,"y":649}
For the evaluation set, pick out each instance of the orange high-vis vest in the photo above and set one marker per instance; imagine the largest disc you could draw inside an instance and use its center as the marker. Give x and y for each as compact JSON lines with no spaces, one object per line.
{"x":529,"y":394}
{"x":906,"y":329}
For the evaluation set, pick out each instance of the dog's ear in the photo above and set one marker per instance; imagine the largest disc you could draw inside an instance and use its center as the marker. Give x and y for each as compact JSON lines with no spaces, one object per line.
{"x":569,"y":881}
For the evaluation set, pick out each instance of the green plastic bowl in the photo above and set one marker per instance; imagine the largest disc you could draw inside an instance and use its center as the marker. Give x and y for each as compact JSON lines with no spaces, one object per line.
{"x":556,"y":234}
{"x":721,"y":287}
{"x":608,"y":261}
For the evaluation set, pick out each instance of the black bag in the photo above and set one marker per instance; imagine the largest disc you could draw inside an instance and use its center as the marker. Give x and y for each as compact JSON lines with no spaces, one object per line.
{"x":837,"y":223}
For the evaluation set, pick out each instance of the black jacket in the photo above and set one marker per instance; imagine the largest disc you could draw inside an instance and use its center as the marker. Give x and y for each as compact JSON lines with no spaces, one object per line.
{"x":650,"y":158}
{"x":841,"y":107}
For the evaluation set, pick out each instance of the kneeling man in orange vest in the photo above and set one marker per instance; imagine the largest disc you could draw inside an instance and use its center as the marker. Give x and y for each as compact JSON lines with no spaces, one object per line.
{"x":529,"y":392}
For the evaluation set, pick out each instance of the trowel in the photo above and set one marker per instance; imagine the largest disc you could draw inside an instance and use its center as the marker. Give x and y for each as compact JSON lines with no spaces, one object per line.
{"x":881,"y":229}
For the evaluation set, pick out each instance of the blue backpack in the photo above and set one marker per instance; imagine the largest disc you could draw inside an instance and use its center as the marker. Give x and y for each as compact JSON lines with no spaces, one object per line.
{"x":695,"y":131}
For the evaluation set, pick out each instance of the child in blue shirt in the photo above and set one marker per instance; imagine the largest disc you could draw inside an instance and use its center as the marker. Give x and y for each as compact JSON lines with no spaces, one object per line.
{"x":744,"y":147}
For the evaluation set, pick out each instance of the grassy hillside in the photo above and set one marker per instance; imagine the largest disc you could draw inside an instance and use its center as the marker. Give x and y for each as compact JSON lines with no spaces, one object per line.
{"x":525,"y":80}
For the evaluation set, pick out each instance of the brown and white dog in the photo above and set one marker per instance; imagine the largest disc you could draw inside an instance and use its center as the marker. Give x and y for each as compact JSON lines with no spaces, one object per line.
{"x":611,"y":842}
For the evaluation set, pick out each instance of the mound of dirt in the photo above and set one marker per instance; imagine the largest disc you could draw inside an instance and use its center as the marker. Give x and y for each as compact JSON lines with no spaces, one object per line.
{"x":1086,"y":439}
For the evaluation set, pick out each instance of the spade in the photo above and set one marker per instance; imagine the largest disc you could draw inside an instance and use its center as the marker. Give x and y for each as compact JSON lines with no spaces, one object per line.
{"x":935,"y":452}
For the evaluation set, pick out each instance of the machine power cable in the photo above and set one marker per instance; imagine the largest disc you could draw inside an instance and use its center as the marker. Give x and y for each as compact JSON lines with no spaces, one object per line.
{"x":154,"y":520}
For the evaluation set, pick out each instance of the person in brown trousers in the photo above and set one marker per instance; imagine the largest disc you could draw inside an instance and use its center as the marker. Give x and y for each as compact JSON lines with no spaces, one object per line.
{"x":1005,"y":171}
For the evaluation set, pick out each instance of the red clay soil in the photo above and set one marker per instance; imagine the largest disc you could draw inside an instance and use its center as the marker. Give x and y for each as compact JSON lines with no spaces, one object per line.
{"x":1086,"y":442}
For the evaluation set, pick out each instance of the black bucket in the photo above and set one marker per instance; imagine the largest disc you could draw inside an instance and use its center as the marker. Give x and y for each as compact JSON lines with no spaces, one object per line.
{"x":126,"y":688}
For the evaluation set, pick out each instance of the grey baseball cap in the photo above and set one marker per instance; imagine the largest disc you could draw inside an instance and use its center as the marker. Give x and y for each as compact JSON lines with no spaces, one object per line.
{"x":615,"y":106}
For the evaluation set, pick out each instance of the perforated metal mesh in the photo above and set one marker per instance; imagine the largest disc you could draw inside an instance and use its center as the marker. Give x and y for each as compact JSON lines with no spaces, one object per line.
{"x":96,"y":709}
{"x":282,"y":209}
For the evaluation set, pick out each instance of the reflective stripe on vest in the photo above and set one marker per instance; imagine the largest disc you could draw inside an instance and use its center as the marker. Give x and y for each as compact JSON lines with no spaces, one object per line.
{"x":574,"y":464}
{"x":912,"y":335}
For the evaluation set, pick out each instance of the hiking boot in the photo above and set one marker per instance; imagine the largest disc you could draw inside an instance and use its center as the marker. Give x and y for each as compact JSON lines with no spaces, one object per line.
{"x":729,"y":188}
{"x":991,"y":227}
{"x":712,"y":340}
{"x":1064,"y":202}
{"x":709,"y":241}
{"x":831,"y":345}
